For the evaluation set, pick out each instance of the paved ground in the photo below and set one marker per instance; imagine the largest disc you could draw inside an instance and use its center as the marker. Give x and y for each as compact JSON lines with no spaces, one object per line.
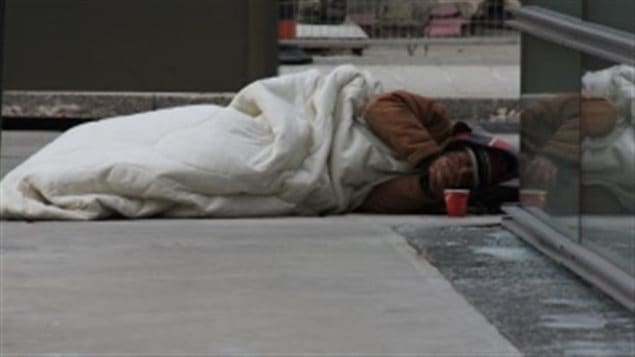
{"x":18,"y":145}
{"x":444,"y":71}
{"x":335,"y":286}
{"x":540,"y":306}
{"x":276,"y":287}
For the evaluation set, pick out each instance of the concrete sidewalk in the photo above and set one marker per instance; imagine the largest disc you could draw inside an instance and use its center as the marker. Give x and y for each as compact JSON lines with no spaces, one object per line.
{"x":272,"y":287}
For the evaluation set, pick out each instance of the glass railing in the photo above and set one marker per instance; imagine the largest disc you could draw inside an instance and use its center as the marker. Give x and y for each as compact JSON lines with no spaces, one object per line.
{"x":607,"y":152}
{"x":578,"y":146}
{"x":550,"y":159}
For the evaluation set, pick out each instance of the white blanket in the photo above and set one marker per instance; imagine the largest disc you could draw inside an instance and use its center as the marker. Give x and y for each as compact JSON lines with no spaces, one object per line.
{"x":291,"y":145}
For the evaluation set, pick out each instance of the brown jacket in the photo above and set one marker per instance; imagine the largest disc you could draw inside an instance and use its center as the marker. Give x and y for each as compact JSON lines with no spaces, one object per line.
{"x":418,"y":128}
{"x":555,"y":127}
{"x":415,"y":128}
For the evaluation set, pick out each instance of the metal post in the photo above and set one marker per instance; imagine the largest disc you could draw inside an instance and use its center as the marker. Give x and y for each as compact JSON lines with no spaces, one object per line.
{"x":289,"y":54}
{"x":2,"y":16}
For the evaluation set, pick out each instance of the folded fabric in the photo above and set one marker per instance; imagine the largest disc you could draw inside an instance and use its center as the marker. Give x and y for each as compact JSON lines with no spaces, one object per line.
{"x":291,"y":145}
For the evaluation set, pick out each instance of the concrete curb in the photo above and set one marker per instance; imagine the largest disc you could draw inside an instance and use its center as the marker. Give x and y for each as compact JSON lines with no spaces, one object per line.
{"x":96,"y":105}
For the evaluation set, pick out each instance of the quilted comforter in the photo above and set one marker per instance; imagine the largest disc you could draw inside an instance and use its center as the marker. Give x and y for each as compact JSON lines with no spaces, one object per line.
{"x":290,"y":145}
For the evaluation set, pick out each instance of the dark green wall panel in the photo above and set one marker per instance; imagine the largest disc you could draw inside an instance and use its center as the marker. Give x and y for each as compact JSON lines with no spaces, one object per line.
{"x":139,"y":45}
{"x":549,"y":68}
{"x":546,"y":67}
{"x":618,"y":14}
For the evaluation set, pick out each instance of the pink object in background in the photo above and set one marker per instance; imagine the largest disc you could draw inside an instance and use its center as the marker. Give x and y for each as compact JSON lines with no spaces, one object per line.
{"x":363,"y":19}
{"x":445,"y":21}
{"x":445,"y":10}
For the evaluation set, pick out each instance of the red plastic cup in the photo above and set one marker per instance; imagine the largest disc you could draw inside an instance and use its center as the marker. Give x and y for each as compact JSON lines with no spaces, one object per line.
{"x":456,"y":202}
{"x":533,"y":198}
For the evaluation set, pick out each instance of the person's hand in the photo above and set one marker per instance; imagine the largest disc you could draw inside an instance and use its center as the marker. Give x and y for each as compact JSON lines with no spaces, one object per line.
{"x":540,"y":172}
{"x":450,"y":170}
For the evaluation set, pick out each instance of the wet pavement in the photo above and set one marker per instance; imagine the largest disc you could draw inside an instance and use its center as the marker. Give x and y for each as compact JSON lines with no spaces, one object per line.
{"x":542,"y":308}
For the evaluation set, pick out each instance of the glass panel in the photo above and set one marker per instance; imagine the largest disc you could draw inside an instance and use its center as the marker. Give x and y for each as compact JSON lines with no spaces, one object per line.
{"x":608,"y":163}
{"x":550,"y":160}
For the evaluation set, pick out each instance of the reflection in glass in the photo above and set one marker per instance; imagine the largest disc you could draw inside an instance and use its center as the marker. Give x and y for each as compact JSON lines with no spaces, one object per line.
{"x":608,"y":167}
{"x":578,"y":162}
{"x":550,"y":159}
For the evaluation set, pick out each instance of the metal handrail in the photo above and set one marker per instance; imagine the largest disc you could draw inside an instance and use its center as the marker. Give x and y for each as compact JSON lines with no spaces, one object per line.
{"x":586,"y":263}
{"x":591,"y":38}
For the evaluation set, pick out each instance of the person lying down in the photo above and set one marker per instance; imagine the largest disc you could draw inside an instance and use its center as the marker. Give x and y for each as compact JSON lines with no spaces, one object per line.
{"x":301,"y":144}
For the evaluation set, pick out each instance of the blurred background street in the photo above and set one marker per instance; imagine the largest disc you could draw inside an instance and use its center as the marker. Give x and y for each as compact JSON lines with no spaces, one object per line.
{"x":458,"y":71}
